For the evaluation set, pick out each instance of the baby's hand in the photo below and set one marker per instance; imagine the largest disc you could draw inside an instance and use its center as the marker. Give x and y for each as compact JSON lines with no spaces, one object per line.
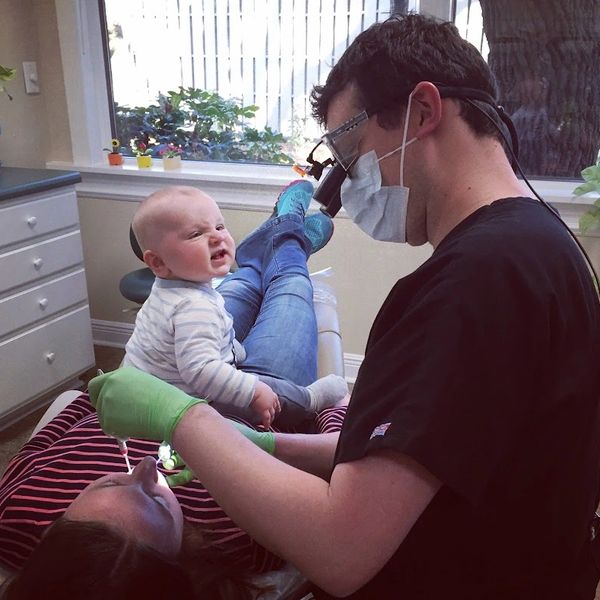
{"x":265,"y":403}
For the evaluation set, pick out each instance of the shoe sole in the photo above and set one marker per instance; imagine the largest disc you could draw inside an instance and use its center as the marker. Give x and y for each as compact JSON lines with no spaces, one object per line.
{"x":325,"y":242}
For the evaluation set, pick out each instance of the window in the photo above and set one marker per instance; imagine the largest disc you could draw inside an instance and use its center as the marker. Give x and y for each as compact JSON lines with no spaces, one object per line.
{"x":227,"y":80}
{"x":240,"y":72}
{"x":545,"y":59}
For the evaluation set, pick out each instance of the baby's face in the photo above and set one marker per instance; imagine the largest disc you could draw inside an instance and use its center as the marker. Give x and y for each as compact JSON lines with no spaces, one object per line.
{"x":196,"y":246}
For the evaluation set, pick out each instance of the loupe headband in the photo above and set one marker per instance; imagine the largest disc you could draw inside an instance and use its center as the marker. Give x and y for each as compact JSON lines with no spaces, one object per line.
{"x":471,"y":95}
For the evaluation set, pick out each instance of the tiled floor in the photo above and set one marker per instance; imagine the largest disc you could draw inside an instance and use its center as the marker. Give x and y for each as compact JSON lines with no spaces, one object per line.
{"x":12,"y":438}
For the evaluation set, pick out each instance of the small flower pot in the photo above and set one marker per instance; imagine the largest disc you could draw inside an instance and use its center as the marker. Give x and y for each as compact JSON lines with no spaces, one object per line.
{"x":171,"y":163}
{"x":144,"y":162}
{"x":115,"y":159}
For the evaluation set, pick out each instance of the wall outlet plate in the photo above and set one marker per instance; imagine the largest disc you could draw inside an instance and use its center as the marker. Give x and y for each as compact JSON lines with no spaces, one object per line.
{"x":30,"y":75}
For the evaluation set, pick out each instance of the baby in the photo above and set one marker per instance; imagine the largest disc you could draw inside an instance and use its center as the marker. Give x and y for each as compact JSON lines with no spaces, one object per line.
{"x":183,"y":333}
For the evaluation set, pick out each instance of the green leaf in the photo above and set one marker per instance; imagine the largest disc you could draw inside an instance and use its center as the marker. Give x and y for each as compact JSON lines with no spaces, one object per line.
{"x":584,"y":188}
{"x":205,"y":125}
{"x":6,"y":73}
{"x":587,"y":221}
{"x":591,"y":173}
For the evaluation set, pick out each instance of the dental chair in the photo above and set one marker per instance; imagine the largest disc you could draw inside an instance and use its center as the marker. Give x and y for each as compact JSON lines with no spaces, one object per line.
{"x":287,"y":582}
{"x":136,"y":285}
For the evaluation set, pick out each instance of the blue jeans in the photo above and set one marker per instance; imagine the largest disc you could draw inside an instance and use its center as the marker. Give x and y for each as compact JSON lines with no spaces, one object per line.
{"x":270,"y":299}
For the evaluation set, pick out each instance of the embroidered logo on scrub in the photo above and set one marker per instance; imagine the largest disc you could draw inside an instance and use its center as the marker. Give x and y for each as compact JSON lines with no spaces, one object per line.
{"x":380,"y":430}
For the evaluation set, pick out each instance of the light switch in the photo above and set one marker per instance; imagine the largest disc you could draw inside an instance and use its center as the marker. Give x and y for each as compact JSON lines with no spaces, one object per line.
{"x":30,"y":75}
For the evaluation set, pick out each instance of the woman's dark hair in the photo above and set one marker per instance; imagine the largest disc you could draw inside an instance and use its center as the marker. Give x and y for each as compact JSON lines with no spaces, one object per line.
{"x":92,"y":561}
{"x":388,"y":59}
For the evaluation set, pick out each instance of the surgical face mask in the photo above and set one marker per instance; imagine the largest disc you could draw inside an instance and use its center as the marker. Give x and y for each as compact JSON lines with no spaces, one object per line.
{"x":379,"y":211}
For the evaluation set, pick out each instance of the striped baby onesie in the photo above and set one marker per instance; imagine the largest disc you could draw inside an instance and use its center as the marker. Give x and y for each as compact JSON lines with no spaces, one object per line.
{"x":184,"y":336}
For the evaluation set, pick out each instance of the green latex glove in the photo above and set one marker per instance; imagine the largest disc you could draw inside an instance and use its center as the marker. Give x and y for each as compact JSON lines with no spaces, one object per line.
{"x":263,"y":439}
{"x":184,"y":476}
{"x":181,"y":478}
{"x":131,"y":403}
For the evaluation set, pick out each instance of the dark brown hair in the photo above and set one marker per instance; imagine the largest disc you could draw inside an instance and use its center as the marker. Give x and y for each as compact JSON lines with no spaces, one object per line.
{"x":388,"y":59}
{"x":82,"y":560}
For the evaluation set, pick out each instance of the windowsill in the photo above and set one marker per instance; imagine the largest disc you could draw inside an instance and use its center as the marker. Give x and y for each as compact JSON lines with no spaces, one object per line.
{"x":255,"y":187}
{"x":232,"y":185}
{"x":192,"y":170}
{"x":560,"y":195}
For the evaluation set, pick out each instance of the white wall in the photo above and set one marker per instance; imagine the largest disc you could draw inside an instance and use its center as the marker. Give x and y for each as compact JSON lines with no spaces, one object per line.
{"x":364,"y":270}
{"x":36,"y":130}
{"x":34,"y":127}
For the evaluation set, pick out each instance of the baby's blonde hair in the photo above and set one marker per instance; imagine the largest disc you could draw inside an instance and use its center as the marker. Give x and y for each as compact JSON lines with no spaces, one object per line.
{"x":154,"y":215}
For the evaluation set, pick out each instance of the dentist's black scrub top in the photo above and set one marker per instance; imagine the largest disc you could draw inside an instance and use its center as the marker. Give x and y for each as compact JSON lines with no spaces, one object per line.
{"x":482,"y":366}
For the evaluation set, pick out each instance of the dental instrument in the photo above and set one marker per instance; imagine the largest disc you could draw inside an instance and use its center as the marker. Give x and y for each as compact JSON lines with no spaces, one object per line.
{"x":123,"y":450}
{"x":122,"y":443}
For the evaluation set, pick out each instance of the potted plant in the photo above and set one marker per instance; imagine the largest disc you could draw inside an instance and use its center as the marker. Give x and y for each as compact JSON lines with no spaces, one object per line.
{"x":171,"y":156}
{"x":115,"y":157}
{"x":6,"y":74}
{"x":143,"y":153}
{"x":591,"y":176}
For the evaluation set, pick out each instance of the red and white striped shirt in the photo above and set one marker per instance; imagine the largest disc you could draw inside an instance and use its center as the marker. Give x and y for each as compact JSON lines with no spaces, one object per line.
{"x":71,"y":452}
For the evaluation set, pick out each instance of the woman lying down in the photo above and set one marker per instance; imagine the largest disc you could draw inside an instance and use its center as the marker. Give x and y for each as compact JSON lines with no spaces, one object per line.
{"x":75,"y":523}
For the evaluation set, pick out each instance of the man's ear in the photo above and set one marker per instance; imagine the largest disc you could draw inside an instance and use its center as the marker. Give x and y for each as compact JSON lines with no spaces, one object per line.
{"x":426,"y":106}
{"x":156,"y":263}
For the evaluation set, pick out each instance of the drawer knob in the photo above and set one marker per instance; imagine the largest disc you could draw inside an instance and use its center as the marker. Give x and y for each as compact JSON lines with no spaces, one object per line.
{"x":43,"y":303}
{"x":37,"y":263}
{"x":50,"y":356}
{"x":32,"y":222}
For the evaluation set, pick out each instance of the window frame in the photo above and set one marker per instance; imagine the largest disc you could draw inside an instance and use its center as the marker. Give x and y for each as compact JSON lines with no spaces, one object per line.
{"x":237,"y":185}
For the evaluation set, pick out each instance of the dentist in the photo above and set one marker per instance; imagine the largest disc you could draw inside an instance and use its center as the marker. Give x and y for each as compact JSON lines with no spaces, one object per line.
{"x":467,"y":466}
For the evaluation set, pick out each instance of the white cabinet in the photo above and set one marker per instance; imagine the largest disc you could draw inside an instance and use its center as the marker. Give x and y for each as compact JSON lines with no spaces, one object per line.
{"x":45,"y":326}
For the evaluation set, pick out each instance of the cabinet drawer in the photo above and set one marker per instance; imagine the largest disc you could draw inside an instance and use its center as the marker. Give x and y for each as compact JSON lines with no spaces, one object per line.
{"x":40,"y":260}
{"x":38,"y":360}
{"x":24,"y":221}
{"x":41,"y":302}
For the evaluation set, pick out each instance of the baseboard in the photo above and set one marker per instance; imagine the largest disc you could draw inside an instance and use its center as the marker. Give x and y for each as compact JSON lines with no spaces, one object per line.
{"x":116,"y":334}
{"x":352,"y":364}
{"x":111,"y":333}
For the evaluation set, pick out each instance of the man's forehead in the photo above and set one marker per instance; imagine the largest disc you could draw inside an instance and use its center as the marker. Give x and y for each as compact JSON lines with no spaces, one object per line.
{"x":343,"y":106}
